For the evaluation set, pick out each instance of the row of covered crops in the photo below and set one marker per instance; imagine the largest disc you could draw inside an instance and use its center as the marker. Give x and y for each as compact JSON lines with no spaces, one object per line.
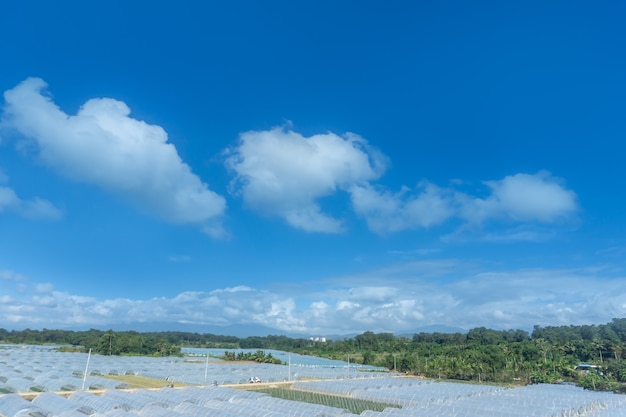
{"x":416,"y":398}
{"x":429,"y":398}
{"x":171,"y":402}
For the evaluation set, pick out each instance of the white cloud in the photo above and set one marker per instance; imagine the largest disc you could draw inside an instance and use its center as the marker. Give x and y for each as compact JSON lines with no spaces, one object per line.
{"x":397,"y":299}
{"x":6,"y":275}
{"x":378,"y":293}
{"x":385,"y":212}
{"x":281,"y":172}
{"x":35,"y":208}
{"x":103,"y":146}
{"x":8,"y":198}
{"x":520,"y":198}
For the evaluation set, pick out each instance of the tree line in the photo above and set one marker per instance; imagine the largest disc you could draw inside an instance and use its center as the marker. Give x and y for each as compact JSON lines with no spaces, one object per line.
{"x":96,"y":341}
{"x":547,"y":354}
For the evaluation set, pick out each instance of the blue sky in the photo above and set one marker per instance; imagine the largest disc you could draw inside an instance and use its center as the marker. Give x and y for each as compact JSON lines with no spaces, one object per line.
{"x":312,"y":167}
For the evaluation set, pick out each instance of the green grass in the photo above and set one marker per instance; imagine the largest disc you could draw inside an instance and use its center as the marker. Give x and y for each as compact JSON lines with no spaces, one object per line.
{"x":136,"y":381}
{"x":355,"y":406}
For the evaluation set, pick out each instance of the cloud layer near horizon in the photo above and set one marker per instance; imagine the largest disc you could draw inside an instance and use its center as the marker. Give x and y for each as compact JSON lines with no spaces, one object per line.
{"x":385,"y":300}
{"x":102,"y":145}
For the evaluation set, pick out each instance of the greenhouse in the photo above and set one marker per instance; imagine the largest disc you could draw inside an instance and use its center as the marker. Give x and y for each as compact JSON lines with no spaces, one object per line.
{"x":13,"y":405}
{"x":434,"y":399}
{"x":98,"y":403}
{"x":42,"y":382}
{"x":37,"y":368}
{"x":58,"y":405}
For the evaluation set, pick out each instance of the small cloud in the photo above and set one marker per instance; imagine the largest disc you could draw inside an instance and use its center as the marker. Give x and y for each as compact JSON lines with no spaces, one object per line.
{"x":385,"y":212}
{"x":377,"y":293}
{"x":239,"y":288}
{"x":522,"y":198}
{"x":43,"y":288}
{"x":614,"y":251}
{"x":11,"y":276}
{"x":216,"y":231}
{"x":524,"y":233}
{"x":36,"y":208}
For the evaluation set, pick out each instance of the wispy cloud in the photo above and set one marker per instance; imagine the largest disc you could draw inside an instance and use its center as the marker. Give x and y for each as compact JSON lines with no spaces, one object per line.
{"x":35,"y":208}
{"x":413,"y":252}
{"x":385,"y":212}
{"x":102,"y":145}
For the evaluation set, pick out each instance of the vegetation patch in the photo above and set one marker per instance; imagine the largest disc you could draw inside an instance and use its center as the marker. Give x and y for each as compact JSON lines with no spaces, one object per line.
{"x":136,"y":381}
{"x":355,"y":406}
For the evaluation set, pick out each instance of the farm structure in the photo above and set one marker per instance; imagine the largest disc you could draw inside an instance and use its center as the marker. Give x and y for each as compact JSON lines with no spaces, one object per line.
{"x":405,"y":397}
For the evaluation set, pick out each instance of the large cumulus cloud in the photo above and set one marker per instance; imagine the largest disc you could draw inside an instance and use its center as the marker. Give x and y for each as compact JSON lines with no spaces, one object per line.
{"x":283,"y":173}
{"x":102,"y":145}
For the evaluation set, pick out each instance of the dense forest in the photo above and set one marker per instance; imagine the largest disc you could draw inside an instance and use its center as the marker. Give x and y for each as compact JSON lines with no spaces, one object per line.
{"x":548,"y":354}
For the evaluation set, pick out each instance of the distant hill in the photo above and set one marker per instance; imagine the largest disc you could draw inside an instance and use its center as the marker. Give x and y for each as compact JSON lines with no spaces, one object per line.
{"x":238,"y":330}
{"x":248,"y":330}
{"x":435,"y":328}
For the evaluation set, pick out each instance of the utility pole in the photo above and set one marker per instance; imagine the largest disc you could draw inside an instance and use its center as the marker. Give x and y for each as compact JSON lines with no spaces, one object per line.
{"x":86,"y":369}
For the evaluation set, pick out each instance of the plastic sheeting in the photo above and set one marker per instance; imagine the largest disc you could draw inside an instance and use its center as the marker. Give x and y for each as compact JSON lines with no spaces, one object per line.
{"x":97,"y":402}
{"x":435,"y":399}
{"x":13,"y":405}
{"x":46,"y":364}
{"x":430,"y":399}
{"x":58,"y":404}
{"x":27,"y":368}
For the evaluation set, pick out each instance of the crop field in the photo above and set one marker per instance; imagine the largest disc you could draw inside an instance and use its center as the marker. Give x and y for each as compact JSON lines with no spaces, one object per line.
{"x":354,"y":405}
{"x":136,"y":381}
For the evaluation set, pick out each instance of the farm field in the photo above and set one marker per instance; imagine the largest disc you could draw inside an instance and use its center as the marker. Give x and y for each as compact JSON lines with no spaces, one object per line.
{"x":57,"y":385}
